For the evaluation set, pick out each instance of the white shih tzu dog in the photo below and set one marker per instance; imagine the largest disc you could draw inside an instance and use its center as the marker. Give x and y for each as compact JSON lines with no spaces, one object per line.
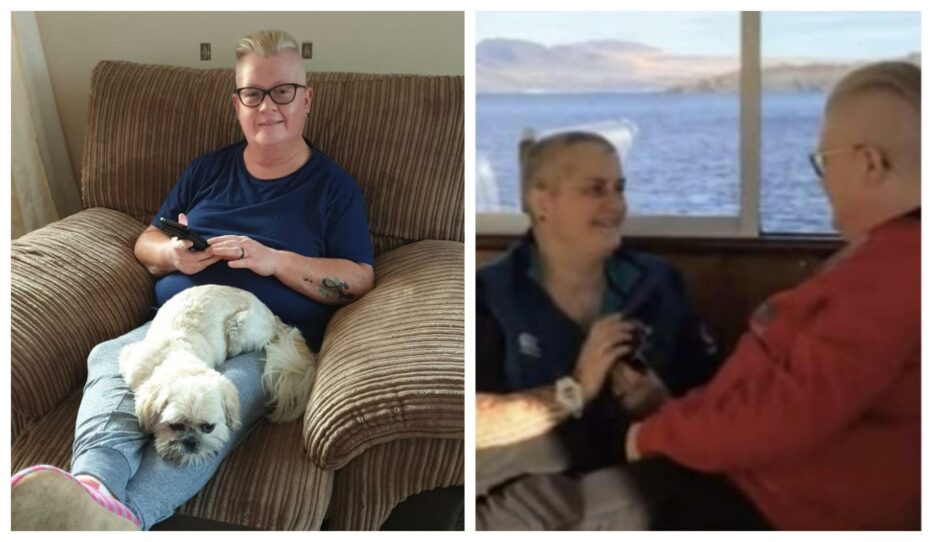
{"x":180,"y":397}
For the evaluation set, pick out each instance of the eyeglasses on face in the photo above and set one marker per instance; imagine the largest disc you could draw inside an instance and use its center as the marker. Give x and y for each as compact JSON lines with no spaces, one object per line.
{"x":281,"y":94}
{"x":818,"y":159}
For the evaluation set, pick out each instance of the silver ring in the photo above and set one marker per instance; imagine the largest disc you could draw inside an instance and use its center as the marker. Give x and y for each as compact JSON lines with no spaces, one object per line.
{"x":243,"y":253}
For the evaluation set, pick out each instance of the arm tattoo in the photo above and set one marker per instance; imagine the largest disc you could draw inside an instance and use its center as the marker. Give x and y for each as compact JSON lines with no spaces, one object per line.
{"x":333,"y":288}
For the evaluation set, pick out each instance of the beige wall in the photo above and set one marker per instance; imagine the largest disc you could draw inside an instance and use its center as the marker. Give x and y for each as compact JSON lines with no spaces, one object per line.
{"x":399,"y":42}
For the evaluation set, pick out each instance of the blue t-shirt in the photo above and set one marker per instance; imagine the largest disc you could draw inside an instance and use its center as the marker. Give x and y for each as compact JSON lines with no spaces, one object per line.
{"x":317,"y":211}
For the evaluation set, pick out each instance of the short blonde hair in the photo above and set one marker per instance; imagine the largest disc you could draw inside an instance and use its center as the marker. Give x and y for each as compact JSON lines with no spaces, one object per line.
{"x":265,"y":43}
{"x":533,"y":154}
{"x":900,"y":79}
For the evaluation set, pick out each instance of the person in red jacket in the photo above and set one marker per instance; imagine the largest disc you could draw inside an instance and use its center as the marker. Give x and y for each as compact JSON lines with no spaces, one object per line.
{"x":815,"y":417}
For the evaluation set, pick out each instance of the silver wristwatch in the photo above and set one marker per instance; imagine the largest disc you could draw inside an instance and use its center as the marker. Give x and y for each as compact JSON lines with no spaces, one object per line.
{"x":568,"y":394}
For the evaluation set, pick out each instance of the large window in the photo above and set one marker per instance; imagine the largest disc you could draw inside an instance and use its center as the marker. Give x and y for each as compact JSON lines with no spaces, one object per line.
{"x":803,"y":53}
{"x":713,"y":136}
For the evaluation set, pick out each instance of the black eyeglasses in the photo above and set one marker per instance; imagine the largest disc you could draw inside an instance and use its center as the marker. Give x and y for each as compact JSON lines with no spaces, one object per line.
{"x":281,"y":94}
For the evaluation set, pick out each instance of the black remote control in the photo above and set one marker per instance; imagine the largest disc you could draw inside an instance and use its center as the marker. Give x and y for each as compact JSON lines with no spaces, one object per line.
{"x":181,"y":231}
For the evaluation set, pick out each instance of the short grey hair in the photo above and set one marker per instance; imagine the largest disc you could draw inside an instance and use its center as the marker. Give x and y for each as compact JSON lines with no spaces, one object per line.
{"x":265,"y":43}
{"x":900,"y":79}
{"x":901,"y":82}
{"x":534,"y":153}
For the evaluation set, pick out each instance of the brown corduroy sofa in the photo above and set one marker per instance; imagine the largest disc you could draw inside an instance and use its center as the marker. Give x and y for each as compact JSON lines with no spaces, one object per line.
{"x":385,"y":419}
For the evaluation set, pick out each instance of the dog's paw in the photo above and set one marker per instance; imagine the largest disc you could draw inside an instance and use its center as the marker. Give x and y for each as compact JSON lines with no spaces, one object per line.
{"x":235,"y":324}
{"x":235,"y":328}
{"x":134,"y":365}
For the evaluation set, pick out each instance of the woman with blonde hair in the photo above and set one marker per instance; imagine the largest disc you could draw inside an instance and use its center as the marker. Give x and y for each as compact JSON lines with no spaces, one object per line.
{"x":284,"y":222}
{"x":576,"y":336}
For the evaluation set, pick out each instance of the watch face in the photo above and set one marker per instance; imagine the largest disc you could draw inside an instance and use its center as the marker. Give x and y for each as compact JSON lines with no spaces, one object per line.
{"x":568,"y":394}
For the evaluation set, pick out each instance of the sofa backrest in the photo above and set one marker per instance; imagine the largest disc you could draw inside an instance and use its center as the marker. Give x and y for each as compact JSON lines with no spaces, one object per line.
{"x":400,"y":136}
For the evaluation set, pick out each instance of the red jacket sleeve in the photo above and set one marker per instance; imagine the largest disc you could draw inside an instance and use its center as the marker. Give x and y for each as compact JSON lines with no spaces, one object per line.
{"x":776,"y":401}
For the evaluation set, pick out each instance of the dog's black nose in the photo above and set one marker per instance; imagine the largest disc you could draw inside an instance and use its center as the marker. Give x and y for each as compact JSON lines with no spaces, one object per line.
{"x":189,"y":444}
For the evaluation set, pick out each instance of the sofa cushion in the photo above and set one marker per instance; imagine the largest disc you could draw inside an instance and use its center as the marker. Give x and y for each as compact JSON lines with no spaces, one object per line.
{"x":392,"y":363}
{"x":266,"y":483}
{"x":48,"y":440}
{"x":400,"y":136}
{"x":371,"y":485}
{"x":74,"y":284}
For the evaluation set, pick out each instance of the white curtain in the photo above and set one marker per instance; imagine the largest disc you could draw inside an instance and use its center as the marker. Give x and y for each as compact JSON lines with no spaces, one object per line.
{"x":43,"y":189}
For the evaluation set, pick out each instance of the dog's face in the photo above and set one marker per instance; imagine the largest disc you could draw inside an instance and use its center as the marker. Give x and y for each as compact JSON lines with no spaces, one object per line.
{"x":191,"y":415}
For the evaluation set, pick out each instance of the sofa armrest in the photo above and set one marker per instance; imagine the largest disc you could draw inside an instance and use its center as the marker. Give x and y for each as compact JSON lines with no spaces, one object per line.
{"x":74,"y":283}
{"x":392,"y":363}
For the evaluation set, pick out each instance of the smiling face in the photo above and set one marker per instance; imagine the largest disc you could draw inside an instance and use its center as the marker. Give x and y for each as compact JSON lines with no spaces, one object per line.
{"x":271,"y":124}
{"x":580,"y":198}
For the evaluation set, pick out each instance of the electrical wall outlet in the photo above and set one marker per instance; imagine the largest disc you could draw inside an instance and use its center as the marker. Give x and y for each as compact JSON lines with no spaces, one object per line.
{"x":205,"y":51}
{"x":306,"y":49}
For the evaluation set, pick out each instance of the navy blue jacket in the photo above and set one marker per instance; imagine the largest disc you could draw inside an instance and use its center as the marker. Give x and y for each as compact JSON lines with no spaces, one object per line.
{"x":524,"y":341}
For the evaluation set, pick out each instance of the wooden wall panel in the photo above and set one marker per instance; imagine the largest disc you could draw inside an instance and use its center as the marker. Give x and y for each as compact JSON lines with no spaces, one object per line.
{"x":727,"y":278}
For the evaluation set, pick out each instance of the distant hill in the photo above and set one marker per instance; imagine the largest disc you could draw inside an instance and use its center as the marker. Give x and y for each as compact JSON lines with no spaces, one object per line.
{"x":517,"y":66}
{"x":783,"y":76}
{"x":593,"y":66}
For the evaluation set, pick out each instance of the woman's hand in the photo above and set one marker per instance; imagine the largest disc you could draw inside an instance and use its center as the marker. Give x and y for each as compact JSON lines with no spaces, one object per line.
{"x":639,"y":394}
{"x":244,"y":253}
{"x":607,"y":341}
{"x":188,"y":262}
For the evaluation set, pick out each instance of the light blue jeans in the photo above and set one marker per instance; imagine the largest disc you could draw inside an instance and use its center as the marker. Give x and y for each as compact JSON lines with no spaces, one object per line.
{"x":110,"y":446}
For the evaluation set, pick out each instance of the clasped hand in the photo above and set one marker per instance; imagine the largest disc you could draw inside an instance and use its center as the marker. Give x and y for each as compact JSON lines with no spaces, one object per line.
{"x":239,"y":251}
{"x":609,"y":341}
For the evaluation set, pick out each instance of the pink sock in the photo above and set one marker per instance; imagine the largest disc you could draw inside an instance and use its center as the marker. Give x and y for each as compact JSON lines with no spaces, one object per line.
{"x":94,"y":484}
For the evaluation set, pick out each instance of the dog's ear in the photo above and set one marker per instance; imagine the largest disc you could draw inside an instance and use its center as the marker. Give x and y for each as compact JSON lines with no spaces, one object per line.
{"x":149,"y":401}
{"x":230,"y":403}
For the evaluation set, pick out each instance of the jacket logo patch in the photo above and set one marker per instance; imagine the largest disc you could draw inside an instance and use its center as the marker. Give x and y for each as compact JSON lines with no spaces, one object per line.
{"x":529,"y":345}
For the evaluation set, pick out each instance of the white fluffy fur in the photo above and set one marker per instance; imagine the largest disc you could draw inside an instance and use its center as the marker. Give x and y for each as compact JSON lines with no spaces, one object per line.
{"x":172,"y":371}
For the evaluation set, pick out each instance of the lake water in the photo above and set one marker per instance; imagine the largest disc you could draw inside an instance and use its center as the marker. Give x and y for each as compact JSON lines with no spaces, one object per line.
{"x":680,"y":151}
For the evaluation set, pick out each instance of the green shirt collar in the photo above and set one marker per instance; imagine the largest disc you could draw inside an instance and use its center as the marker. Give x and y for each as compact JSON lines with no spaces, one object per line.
{"x":622,"y":276}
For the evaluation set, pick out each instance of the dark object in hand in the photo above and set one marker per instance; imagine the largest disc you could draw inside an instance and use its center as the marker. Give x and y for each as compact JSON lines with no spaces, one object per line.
{"x":182,"y":231}
{"x":636,"y":359}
